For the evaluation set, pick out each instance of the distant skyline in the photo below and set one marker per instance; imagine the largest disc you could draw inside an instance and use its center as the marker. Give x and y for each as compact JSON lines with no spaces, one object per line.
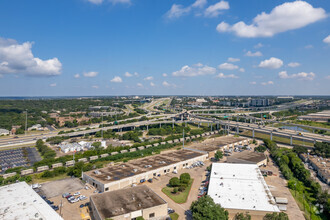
{"x":164,"y":47}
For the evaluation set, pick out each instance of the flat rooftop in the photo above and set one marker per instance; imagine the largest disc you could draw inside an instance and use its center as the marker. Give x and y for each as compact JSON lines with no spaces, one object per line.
{"x":246,"y":157}
{"x":214,"y":144}
{"x":142,"y":165}
{"x":20,"y":201}
{"x":119,"y":202}
{"x":240,"y":186}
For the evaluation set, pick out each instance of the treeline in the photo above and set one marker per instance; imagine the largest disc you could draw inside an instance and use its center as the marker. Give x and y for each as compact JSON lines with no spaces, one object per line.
{"x":322,"y":149}
{"x":45,"y":151}
{"x":299,"y":178}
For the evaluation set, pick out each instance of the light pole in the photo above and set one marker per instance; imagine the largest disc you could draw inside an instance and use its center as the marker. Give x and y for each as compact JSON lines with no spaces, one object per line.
{"x":25,"y":122}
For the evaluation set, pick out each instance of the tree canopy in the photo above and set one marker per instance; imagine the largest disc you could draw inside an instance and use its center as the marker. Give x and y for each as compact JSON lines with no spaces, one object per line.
{"x":205,"y":208}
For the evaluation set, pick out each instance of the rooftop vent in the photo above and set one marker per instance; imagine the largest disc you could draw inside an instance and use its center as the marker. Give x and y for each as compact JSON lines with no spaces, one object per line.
{"x":108,"y":177}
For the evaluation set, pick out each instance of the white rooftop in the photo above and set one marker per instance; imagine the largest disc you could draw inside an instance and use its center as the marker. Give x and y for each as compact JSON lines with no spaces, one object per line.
{"x":240,"y":186}
{"x":20,"y":201}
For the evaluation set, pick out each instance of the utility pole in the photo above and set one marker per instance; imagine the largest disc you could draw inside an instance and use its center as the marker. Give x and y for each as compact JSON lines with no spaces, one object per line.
{"x":183,"y":139}
{"x":25,"y":122}
{"x":61,"y":208}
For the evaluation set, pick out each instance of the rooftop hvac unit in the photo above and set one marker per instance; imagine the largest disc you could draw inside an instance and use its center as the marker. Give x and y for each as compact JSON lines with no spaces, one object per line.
{"x":108,"y":177}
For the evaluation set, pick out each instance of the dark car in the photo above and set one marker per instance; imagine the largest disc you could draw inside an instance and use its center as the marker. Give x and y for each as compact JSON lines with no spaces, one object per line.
{"x":55,"y":207}
{"x":170,"y":211}
{"x":150,"y":180}
{"x":50,"y":202}
{"x":16,"y":137}
{"x":82,"y":206}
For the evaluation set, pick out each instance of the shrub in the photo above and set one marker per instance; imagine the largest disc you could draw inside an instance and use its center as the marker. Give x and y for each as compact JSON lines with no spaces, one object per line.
{"x":174,"y":181}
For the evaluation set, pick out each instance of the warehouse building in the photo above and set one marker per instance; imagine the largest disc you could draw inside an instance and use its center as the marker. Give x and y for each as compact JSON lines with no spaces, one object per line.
{"x":20,"y":201}
{"x":248,"y":157}
{"x":129,"y":203}
{"x":122,"y":175}
{"x":240,"y":188}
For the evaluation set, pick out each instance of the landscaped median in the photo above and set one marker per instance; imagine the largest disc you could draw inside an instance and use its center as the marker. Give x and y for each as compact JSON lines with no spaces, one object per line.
{"x":178,"y":189}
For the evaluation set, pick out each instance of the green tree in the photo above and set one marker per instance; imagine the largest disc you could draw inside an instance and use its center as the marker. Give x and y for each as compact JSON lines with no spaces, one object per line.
{"x":218,"y":155}
{"x":205,"y":208}
{"x":241,"y":216}
{"x":300,"y":149}
{"x":174,"y":181}
{"x":185,"y":178}
{"x":260,"y":148}
{"x":276,"y":216}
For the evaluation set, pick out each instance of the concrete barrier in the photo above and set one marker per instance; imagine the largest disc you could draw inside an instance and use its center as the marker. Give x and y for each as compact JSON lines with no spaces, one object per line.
{"x":181,"y":139}
{"x":170,"y":142}
{"x":104,"y":155}
{"x":123,"y":151}
{"x":156,"y":144}
{"x":28,"y":171}
{"x":203,"y":134}
{"x":69,"y":163}
{"x":163,"y":142}
{"x":187,"y":138}
{"x":57,"y":165}
{"x":94,"y":158}
{"x":42,"y":168}
{"x":114,"y":153}
{"x":141,"y":148}
{"x":7,"y":175}
{"x":198,"y":135}
{"x":82,"y":160}
{"x":148,"y":146}
{"x":176,"y":140}
{"x":132,"y":149}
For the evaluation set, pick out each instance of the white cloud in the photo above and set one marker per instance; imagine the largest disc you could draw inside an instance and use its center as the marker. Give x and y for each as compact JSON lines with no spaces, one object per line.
{"x":90,"y":74}
{"x":95,"y":87}
{"x":299,"y":76}
{"x":228,"y":66}
{"x":327,"y":77}
{"x":196,"y":70}
{"x":166,"y":84}
{"x":149,"y":78}
{"x":116,"y":79}
{"x":223,"y":76}
{"x":215,"y":10}
{"x":18,"y":58}
{"x":267,"y":83}
{"x":285,"y":17}
{"x":52,"y":85}
{"x":152,"y":84}
{"x":294,"y":64}
{"x":139,"y":85}
{"x":327,"y":40}
{"x":164,"y":74}
{"x":309,"y":46}
{"x":199,"y":3}
{"x":231,"y":59}
{"x":259,"y":45}
{"x":253,"y":83}
{"x":255,"y":54}
{"x":97,"y":2}
{"x":76,"y":76}
{"x":242,"y":70}
{"x":177,"y":11}
{"x":127,"y":74}
{"x":272,"y":63}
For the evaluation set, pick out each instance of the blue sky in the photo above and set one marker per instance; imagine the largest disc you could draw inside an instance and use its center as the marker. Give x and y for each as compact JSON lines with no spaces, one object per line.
{"x":164,"y":47}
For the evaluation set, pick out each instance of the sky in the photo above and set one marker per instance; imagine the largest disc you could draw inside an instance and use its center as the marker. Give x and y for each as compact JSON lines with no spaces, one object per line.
{"x":164,"y":47}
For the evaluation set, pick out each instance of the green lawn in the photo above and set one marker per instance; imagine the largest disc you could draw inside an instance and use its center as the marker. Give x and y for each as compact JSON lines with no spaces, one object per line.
{"x":174,"y":216}
{"x":36,"y":178}
{"x":180,"y":197}
{"x":278,"y":139}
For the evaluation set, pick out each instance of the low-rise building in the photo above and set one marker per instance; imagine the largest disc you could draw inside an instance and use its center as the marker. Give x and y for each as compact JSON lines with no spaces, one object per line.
{"x":20,"y":201}
{"x":127,"y":204}
{"x":136,"y":171}
{"x":248,"y":157}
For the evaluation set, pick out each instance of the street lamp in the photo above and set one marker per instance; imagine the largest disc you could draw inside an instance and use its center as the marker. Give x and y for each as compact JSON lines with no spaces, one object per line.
{"x":25,"y":121}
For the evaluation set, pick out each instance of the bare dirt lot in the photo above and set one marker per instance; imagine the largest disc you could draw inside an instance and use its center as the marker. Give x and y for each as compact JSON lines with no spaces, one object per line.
{"x":58,"y":187}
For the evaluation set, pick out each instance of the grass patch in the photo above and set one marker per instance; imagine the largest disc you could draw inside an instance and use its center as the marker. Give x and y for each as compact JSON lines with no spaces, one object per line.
{"x":36,"y":178}
{"x":277,"y":139}
{"x":304,"y":206}
{"x":174,"y":216}
{"x":180,"y":197}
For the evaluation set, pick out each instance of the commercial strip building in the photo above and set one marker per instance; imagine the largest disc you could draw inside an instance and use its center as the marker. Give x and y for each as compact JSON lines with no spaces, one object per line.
{"x":129,"y":203}
{"x":136,"y":171}
{"x":20,"y":201}
{"x":239,"y":188}
{"x":323,"y":116}
{"x":248,"y":157}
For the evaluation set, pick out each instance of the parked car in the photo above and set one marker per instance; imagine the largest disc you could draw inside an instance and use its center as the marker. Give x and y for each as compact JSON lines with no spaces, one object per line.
{"x":170,"y":211}
{"x":150,"y":180}
{"x":55,"y":207}
{"x":82,"y":197}
{"x":64,"y":195}
{"x":49,"y":202}
{"x":82,"y":206}
{"x":77,"y":194}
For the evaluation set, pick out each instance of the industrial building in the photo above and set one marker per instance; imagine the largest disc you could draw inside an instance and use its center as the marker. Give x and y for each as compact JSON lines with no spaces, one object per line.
{"x":20,"y":201}
{"x":129,"y":203}
{"x":239,"y":188}
{"x":248,"y":157}
{"x":136,"y":171}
